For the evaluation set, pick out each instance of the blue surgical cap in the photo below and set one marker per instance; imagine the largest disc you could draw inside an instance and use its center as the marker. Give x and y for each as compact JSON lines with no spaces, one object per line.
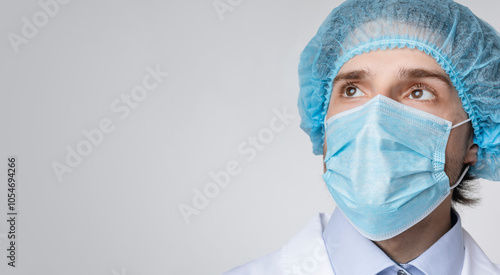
{"x":466,"y":47}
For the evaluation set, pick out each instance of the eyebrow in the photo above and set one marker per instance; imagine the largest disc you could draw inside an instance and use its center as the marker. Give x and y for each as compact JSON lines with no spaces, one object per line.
{"x":403,"y":73}
{"x":353,"y":75}
{"x":422,"y":73}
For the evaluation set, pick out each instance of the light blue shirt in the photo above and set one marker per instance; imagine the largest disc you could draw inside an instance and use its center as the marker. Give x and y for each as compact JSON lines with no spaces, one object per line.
{"x":352,"y":253}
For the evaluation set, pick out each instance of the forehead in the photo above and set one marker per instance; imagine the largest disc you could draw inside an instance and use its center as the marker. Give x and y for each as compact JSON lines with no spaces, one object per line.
{"x":392,"y":59}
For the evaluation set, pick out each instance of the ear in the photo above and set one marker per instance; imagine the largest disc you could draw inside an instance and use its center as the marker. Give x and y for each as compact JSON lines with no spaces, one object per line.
{"x":471,"y":154}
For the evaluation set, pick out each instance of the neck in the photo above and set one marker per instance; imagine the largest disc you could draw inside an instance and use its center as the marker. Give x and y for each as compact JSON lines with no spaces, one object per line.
{"x":416,"y":240}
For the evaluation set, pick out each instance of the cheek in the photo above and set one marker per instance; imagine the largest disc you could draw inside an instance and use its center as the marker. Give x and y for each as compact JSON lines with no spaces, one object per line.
{"x":332,"y":109}
{"x":457,"y":143}
{"x":336,"y":107}
{"x":452,"y":110}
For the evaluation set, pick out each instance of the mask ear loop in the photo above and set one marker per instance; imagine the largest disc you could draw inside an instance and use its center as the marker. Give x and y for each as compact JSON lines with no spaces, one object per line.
{"x":461,"y":123}
{"x":461,"y":177}
{"x":467,"y":168}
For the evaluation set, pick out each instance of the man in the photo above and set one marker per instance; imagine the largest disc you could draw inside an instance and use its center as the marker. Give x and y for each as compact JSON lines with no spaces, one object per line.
{"x":401,"y":98}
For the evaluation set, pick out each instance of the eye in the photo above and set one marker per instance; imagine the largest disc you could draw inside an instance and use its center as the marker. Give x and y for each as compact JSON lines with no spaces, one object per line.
{"x":421,"y":94}
{"x":352,"y":92}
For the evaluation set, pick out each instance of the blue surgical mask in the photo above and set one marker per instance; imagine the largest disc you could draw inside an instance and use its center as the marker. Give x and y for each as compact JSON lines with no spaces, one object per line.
{"x":385,"y":165}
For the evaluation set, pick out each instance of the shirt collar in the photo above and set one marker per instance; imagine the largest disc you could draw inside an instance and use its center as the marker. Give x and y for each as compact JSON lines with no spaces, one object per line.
{"x":352,"y":253}
{"x":446,"y":256}
{"x":349,"y":251}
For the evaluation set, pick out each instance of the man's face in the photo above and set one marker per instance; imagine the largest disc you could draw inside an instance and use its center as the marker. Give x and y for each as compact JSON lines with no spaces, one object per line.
{"x":410,"y":77}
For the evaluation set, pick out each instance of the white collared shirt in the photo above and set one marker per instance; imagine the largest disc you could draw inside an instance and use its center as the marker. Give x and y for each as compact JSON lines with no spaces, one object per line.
{"x":352,"y":253}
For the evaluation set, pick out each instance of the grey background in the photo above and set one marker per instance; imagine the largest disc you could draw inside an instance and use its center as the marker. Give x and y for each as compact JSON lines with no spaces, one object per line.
{"x":118,"y":211}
